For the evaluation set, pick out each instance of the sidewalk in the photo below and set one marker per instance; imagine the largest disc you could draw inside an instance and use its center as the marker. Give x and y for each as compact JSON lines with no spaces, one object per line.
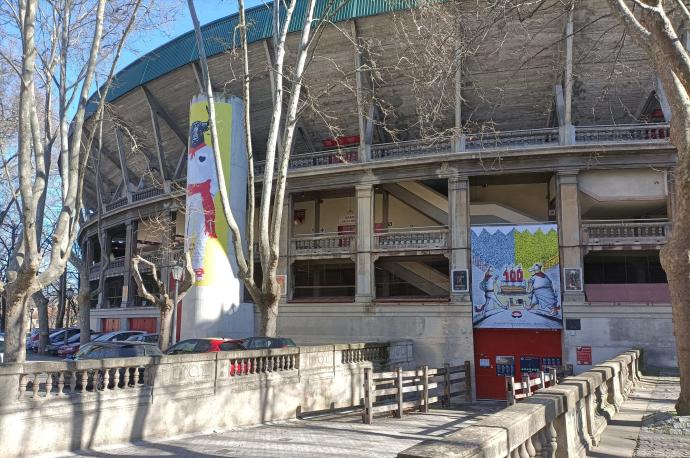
{"x":644,"y":427}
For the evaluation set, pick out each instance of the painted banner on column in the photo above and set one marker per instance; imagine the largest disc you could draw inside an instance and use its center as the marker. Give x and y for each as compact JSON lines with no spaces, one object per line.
{"x":516,"y":277}
{"x":213,"y":306}
{"x":206,"y":230}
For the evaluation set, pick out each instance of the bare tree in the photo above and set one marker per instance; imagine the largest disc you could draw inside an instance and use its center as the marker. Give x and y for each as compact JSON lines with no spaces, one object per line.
{"x":161,"y":297}
{"x":657,"y":28}
{"x":58,"y":41}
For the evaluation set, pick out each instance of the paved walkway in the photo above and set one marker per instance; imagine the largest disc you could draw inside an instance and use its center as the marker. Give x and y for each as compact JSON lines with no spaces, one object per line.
{"x":341,"y":435}
{"x":639,"y":429}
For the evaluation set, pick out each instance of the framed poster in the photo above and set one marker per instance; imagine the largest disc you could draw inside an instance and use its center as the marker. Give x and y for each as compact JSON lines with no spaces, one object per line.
{"x":282,"y":280}
{"x":460,"y":281}
{"x":583,"y":356}
{"x":516,"y":277}
{"x":573,"y":279}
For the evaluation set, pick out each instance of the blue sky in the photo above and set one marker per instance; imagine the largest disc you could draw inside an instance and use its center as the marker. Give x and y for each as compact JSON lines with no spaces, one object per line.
{"x":206,"y":10}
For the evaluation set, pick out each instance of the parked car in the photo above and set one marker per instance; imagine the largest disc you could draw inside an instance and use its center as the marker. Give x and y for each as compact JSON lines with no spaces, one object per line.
{"x":2,"y":348}
{"x":198,"y":346}
{"x":260,"y":343}
{"x":72,"y":346}
{"x":56,"y":338}
{"x":148,"y":338}
{"x":117,"y":336}
{"x":100,"y":350}
{"x":34,"y":337}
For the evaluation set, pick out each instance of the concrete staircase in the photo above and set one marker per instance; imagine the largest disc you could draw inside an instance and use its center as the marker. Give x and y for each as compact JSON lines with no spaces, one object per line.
{"x":420,"y":275}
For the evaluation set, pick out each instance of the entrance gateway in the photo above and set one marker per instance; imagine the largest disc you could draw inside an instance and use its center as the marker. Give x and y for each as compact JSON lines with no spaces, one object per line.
{"x":516,"y":303}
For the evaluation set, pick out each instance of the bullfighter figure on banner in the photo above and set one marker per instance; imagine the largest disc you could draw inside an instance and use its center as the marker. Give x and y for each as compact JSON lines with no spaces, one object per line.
{"x":541,"y":291}
{"x":202,"y":186}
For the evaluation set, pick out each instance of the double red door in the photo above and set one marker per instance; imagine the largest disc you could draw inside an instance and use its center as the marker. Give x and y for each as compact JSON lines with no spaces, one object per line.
{"x":500,"y":352}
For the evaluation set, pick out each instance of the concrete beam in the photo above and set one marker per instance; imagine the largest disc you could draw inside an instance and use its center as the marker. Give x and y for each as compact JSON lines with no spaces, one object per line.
{"x":123,"y":162}
{"x":157,"y":140}
{"x":156,"y":106}
{"x":418,"y":203}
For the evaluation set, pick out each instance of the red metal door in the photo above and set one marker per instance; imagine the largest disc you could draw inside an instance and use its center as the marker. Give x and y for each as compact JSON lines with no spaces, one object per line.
{"x":143,"y":324}
{"x":510,"y":343}
{"x":111,"y":324}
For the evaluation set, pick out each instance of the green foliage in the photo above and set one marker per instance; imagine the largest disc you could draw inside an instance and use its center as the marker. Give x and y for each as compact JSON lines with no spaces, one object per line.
{"x":537,"y":247}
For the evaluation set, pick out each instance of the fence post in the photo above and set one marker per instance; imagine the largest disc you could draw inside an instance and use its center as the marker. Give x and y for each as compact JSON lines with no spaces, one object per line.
{"x":446,"y":384}
{"x":400,"y":392}
{"x":468,"y":382}
{"x":525,"y":383}
{"x":554,"y":376}
{"x":543,"y":379}
{"x":425,"y":388}
{"x":510,"y":390}
{"x":367,"y":414}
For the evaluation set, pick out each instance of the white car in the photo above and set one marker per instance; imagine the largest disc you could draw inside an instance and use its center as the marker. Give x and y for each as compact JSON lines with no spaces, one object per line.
{"x":2,"y":347}
{"x":117,"y":336}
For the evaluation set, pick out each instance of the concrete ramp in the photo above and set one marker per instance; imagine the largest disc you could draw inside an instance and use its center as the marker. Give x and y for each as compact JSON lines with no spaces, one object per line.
{"x":422,"y":198}
{"x":420,"y":275}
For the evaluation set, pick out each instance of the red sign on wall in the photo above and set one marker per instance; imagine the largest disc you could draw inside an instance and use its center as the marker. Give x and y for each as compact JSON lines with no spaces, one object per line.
{"x":584,"y":356}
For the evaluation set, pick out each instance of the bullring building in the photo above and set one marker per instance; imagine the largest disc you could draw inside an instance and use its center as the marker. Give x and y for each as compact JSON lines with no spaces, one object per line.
{"x":505,"y":205}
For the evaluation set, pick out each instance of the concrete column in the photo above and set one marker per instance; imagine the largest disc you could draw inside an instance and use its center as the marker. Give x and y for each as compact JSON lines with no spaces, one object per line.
{"x":458,"y":227}
{"x":103,"y":296}
{"x":568,"y":212}
{"x":130,"y":247}
{"x":365,"y":229}
{"x":284,"y":246}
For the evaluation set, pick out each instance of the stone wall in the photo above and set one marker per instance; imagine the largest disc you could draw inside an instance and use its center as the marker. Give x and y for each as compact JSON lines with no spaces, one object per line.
{"x":60,"y":406}
{"x":565,"y":420}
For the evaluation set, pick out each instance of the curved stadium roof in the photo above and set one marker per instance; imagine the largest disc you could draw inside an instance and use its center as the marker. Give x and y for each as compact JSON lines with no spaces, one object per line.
{"x":218,"y":36}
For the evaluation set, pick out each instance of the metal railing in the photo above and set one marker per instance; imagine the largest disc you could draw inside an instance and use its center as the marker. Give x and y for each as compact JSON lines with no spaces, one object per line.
{"x":614,"y":232}
{"x":512,"y":139}
{"x":319,"y":159}
{"x":323,"y":243}
{"x":622,"y":133}
{"x":410,"y":149}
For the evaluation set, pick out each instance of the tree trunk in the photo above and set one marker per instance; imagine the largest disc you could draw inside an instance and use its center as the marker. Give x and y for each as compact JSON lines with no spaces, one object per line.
{"x":269,"y":317}
{"x":676,"y":262}
{"x":164,"y":332}
{"x":15,"y":347}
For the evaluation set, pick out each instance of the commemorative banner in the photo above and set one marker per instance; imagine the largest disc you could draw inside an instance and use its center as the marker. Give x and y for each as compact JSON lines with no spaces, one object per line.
{"x":516,"y":277}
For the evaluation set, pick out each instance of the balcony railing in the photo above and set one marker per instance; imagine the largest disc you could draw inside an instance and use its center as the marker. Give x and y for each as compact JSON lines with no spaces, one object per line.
{"x":323,"y":243}
{"x":410,"y":149}
{"x":320,"y":159}
{"x":412,"y":238}
{"x":512,"y":139}
{"x":622,"y":133}
{"x":625,"y":232}
{"x":121,"y":202}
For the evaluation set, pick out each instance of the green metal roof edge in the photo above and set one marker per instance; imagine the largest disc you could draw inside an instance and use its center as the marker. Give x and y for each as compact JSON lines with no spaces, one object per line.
{"x":218,"y":36}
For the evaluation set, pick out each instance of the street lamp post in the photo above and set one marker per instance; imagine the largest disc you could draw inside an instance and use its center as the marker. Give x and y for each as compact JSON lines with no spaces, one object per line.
{"x":177,"y":273}
{"x":69,"y":294}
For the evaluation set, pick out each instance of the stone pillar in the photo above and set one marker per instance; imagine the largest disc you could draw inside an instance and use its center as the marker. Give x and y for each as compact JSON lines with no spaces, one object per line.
{"x":284,"y":247}
{"x":364,"y":291}
{"x":459,"y":236}
{"x":568,"y":208}
{"x":130,"y":247}
{"x":103,"y":296}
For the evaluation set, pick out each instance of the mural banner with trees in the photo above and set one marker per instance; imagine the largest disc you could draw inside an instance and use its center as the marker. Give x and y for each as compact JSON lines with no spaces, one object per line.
{"x":516,"y":277}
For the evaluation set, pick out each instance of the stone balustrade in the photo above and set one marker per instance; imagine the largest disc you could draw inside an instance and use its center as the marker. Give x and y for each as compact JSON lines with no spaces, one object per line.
{"x":563,"y":420}
{"x":59,"y":406}
{"x":323,"y":243}
{"x":412,"y":238}
{"x":511,"y":139}
{"x":622,"y":133}
{"x":626,"y":232}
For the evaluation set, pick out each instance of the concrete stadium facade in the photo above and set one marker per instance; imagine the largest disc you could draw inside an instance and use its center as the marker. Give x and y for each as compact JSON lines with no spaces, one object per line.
{"x":373,"y":231}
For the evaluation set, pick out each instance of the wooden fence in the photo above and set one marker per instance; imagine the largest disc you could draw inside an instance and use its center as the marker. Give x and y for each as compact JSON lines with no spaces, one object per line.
{"x":516,"y":391}
{"x":400,"y":390}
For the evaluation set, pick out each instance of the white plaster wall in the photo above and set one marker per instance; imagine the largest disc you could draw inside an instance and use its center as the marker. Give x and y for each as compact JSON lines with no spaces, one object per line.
{"x":530,"y":199}
{"x":611,"y":335}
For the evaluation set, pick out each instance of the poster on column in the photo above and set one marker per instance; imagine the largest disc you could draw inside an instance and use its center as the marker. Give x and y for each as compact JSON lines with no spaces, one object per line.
{"x":212,"y":306}
{"x":516,"y":277}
